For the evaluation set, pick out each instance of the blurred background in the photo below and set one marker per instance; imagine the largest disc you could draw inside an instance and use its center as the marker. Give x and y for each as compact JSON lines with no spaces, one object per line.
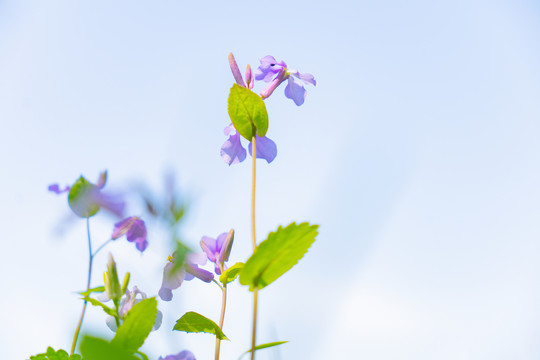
{"x":417,"y":153}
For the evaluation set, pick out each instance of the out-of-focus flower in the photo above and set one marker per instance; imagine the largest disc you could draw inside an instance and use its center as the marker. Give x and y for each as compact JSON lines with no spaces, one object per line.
{"x":218,"y":250}
{"x":89,"y":198}
{"x":232,"y":151}
{"x":173,"y":276}
{"x":126,"y":303}
{"x":55,"y":188}
{"x":183,"y":355}
{"x":277,"y":72}
{"x":134,"y":229}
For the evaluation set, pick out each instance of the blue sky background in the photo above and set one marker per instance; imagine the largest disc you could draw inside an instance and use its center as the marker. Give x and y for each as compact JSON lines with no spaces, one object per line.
{"x":417,"y":153}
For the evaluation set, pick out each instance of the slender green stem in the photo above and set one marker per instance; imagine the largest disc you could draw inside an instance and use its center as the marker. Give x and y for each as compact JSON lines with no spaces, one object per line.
{"x":90,"y":260}
{"x":253,"y":240}
{"x":221,"y":319}
{"x":101,"y":247}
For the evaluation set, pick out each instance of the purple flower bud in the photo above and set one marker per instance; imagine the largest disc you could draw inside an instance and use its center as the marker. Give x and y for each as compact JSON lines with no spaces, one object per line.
{"x":236,"y":71}
{"x":249,"y":77}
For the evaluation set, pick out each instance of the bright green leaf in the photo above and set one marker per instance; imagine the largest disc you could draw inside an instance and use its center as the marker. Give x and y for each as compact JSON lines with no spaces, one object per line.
{"x":277,"y":254}
{"x":264,"y":346}
{"x":231,"y":273}
{"x":105,"y":308}
{"x":247,"y":112}
{"x":55,"y":355}
{"x":136,"y":326}
{"x":98,"y":349}
{"x":196,"y":323}
{"x":99,"y":289}
{"x":80,"y":198}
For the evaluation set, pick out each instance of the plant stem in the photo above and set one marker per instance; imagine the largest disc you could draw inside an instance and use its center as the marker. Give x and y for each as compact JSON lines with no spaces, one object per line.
{"x":101,"y":247}
{"x":221,"y":319}
{"x":254,"y":241}
{"x":90,"y":259}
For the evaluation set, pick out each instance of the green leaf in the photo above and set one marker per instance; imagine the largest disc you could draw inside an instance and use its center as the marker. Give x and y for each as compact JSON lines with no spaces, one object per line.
{"x":277,"y":254}
{"x":105,"y":308}
{"x":80,"y":198}
{"x":231,"y":273}
{"x":55,"y":355}
{"x":136,"y":326}
{"x":99,"y":289}
{"x":98,"y":349}
{"x":192,"y":322}
{"x":247,"y":112}
{"x":264,"y":346}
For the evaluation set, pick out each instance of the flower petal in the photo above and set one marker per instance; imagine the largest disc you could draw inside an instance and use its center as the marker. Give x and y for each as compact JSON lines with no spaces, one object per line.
{"x":55,"y":188}
{"x":307,"y":78}
{"x":266,"y":149}
{"x":196,"y":271}
{"x":268,"y":68}
{"x":295,"y":91}
{"x":171,"y":280}
{"x":232,"y":151}
{"x":209,"y":246}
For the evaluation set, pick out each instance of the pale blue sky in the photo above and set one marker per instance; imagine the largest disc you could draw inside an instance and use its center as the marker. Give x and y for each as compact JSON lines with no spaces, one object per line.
{"x":417,"y":153}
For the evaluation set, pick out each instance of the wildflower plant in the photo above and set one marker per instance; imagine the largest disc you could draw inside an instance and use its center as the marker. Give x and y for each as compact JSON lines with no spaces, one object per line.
{"x":129,"y":313}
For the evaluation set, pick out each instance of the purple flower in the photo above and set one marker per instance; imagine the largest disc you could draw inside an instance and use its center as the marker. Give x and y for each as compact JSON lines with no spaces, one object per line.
{"x":277,"y":72}
{"x":134,"y":229}
{"x":91,"y":197}
{"x":173,"y":278}
{"x":183,"y":355}
{"x":218,"y":250}
{"x":232,"y":151}
{"x":126,"y":303}
{"x":55,"y":188}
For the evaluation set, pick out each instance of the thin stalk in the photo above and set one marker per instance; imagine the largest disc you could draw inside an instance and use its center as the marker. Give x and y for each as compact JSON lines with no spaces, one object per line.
{"x":221,"y":319}
{"x":101,"y":247}
{"x":90,"y":260}
{"x":253,"y":240}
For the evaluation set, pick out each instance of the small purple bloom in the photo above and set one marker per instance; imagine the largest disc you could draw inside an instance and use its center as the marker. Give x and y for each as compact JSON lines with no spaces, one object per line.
{"x":277,"y":72}
{"x":183,"y":355}
{"x":232,"y":151}
{"x":134,"y":229}
{"x":218,"y":250}
{"x":55,"y":188}
{"x":173,"y":278}
{"x":126,"y":303}
{"x":266,"y":149}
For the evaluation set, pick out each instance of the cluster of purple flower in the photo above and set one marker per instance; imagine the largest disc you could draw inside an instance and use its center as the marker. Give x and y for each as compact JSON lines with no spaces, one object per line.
{"x":275,"y":73}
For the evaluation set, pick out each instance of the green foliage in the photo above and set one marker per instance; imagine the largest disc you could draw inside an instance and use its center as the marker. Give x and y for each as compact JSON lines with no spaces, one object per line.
{"x":99,"y":289}
{"x":55,"y":355}
{"x":136,"y":326}
{"x":180,"y":254}
{"x":264,"y":346}
{"x":80,"y":198}
{"x":247,"y":112}
{"x":98,"y":349}
{"x":105,"y":308}
{"x":196,"y":323}
{"x":277,"y":254}
{"x":231,"y":273}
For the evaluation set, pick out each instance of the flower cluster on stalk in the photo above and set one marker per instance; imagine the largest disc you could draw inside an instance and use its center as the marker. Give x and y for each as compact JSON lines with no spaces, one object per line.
{"x":274,"y":73}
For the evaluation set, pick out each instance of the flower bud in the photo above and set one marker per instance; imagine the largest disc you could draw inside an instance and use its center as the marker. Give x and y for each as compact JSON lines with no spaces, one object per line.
{"x":227,"y":245}
{"x":112,"y":285}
